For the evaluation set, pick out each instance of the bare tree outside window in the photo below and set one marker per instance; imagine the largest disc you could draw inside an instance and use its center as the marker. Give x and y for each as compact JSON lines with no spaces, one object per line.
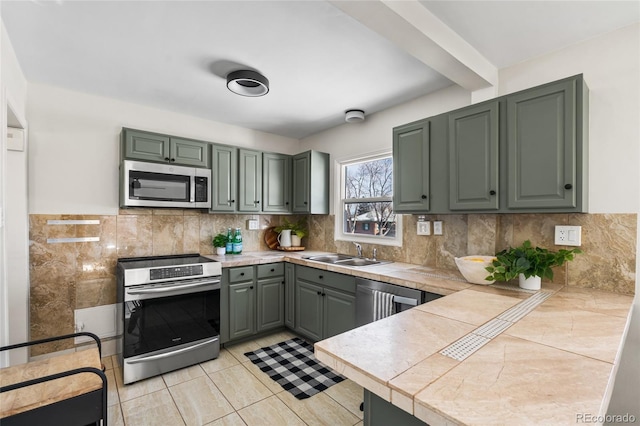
{"x":368,"y":191}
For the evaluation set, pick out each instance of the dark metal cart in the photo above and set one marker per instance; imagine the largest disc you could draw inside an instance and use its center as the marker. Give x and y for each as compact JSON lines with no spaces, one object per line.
{"x":88,"y":408}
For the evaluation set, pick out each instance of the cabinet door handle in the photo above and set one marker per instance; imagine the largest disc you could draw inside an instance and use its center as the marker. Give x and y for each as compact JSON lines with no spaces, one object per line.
{"x":173,"y":159}
{"x":492,"y":192}
{"x":319,"y":293}
{"x":282,"y":282}
{"x":568,"y":186}
{"x":286,"y":204}
{"x":424,"y":197}
{"x":323,"y":294}
{"x":166,"y":158}
{"x":251,"y":288}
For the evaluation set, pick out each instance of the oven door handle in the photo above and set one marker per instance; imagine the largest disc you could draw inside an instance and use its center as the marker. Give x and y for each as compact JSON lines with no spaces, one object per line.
{"x":170,"y":288}
{"x":172,"y":353}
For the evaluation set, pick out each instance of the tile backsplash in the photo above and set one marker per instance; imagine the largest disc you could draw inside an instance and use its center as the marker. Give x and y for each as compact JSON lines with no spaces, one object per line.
{"x":74,"y":275}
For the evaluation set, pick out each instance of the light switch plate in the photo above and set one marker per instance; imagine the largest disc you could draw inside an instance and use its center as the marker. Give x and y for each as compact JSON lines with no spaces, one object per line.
{"x":437,"y":227}
{"x":424,"y":228}
{"x":568,"y":235}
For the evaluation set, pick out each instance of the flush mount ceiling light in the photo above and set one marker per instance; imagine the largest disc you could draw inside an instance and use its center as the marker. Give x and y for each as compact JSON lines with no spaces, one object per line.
{"x":354,"y":116}
{"x":247,"y":83}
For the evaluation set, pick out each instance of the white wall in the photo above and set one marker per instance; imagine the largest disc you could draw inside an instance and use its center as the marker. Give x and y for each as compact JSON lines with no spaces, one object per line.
{"x":611,"y":68}
{"x":375,"y":133}
{"x":74,"y":146}
{"x":14,"y":272}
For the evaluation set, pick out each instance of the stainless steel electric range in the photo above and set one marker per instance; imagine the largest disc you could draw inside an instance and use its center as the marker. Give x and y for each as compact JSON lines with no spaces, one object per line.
{"x":169,"y":313}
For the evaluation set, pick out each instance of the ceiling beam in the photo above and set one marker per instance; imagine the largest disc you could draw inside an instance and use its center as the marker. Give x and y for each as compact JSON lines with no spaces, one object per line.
{"x":413,"y":28}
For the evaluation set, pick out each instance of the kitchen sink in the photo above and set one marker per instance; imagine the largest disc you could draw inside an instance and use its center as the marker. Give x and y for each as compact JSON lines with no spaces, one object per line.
{"x":359,"y":261}
{"x":346,"y":260}
{"x":330,"y":258}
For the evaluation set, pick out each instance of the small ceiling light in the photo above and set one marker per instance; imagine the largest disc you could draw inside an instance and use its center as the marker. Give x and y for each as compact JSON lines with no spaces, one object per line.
{"x":247,"y":83}
{"x":354,"y":116}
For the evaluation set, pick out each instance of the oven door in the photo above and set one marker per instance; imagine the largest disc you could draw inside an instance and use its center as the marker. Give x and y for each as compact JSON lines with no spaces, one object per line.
{"x":170,"y":315}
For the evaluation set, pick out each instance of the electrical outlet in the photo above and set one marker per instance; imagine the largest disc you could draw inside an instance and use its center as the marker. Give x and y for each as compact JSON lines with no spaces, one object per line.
{"x":437,"y":227}
{"x":424,"y":228}
{"x":568,"y":235}
{"x":252,"y":224}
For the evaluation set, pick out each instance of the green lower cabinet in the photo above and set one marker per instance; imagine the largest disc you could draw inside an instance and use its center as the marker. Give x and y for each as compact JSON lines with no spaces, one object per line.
{"x":309,"y":309}
{"x":270,"y":303}
{"x":378,"y":412}
{"x":256,"y":300}
{"x":290,"y":296}
{"x":242,"y":310}
{"x":339,"y":312}
{"x":322,"y":311}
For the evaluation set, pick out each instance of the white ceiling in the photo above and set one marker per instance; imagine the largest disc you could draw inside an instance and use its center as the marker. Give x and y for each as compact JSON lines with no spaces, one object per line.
{"x":321,"y":58}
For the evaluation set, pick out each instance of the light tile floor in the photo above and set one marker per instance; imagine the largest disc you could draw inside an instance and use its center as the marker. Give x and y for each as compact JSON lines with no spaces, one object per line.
{"x":227,"y":391}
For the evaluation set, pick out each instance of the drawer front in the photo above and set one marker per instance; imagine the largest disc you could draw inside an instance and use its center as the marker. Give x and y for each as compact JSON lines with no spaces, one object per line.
{"x":334,"y":280}
{"x":244,"y":273}
{"x":271,"y":270}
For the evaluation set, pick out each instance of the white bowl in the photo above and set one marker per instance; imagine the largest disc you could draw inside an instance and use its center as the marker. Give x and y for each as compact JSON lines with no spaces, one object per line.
{"x":473,"y":269}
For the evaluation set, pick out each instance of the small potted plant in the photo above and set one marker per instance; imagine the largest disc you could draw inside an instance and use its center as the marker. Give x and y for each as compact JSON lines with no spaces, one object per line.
{"x":220,"y":243}
{"x":529,"y":264}
{"x":298,"y":230}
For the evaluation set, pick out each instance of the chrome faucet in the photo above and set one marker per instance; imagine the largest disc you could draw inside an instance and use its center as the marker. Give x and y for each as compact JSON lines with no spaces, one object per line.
{"x":358,"y":249}
{"x":375,"y":254}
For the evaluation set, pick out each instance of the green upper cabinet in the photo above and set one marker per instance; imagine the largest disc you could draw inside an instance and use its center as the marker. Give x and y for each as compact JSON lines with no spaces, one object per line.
{"x":155,"y":147}
{"x":224,"y":161}
{"x":411,"y":167}
{"x":189,"y":152}
{"x":545,"y":147}
{"x":249,"y":181}
{"x":276,"y":183}
{"x":525,"y":152}
{"x":473,"y":157}
{"x":310,"y":170}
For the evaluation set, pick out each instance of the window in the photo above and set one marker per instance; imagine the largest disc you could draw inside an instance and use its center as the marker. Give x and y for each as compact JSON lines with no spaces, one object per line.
{"x":366,"y":207}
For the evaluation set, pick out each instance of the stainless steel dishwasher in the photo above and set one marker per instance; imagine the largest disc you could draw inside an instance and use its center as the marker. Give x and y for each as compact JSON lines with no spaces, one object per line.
{"x":402,"y":298}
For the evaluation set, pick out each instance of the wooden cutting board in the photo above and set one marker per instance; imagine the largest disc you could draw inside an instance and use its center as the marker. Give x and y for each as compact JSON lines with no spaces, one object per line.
{"x":271,"y":238}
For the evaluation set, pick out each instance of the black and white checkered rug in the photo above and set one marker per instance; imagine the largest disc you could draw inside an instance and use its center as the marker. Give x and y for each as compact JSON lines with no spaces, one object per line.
{"x":294,"y":367}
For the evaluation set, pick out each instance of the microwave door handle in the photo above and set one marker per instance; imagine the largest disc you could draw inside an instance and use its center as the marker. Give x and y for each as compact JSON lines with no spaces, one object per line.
{"x":192,"y":189}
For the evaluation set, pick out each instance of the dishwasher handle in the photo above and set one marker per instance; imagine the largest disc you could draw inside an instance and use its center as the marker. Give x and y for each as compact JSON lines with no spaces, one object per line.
{"x":405,"y":300}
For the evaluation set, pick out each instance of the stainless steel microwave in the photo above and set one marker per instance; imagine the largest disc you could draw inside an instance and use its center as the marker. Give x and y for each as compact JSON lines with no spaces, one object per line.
{"x":164,"y":185}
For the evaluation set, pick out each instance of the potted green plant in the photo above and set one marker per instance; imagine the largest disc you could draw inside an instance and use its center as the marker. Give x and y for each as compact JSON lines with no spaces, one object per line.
{"x":220,"y":243}
{"x":530,"y":264}
{"x":298,"y":230}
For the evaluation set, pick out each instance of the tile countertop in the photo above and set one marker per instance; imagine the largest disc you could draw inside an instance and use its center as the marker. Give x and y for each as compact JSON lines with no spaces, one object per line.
{"x":552,"y":366}
{"x":441,"y":282}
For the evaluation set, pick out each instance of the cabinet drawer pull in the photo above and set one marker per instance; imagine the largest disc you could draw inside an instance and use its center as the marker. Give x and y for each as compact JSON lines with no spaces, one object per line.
{"x":568,"y":186}
{"x":492,"y":192}
{"x":424,"y":197}
{"x":242,"y":274}
{"x":273,"y":270}
{"x":320,"y":277}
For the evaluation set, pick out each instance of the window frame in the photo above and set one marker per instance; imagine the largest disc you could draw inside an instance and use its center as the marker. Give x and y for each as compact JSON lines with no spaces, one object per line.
{"x":339,"y":203}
